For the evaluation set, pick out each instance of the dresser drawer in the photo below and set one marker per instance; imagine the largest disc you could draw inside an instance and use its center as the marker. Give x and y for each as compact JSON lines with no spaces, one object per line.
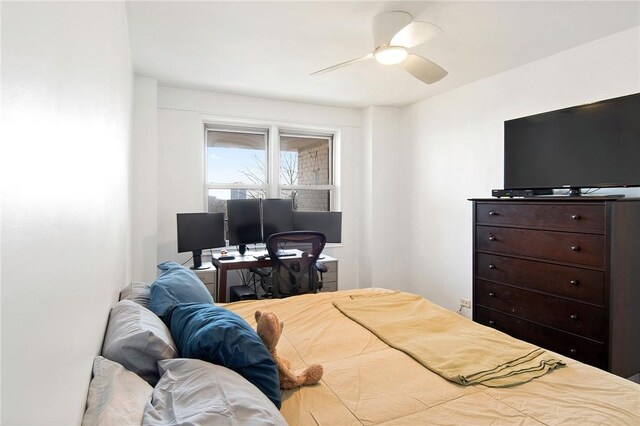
{"x":585,"y":285}
{"x":580,"y":249}
{"x":574,"y":317}
{"x":575,"y":347}
{"x":569,"y":217}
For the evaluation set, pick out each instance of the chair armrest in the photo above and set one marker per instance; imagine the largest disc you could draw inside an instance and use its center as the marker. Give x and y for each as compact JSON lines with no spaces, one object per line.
{"x":321,"y":267}
{"x":263,"y":272}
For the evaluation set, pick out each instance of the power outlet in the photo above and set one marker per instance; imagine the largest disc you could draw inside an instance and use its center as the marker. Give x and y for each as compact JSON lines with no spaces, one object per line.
{"x":465,"y":303}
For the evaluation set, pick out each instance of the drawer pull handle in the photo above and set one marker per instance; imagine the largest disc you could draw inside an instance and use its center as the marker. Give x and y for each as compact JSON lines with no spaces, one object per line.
{"x":576,"y":217}
{"x":574,"y":282}
{"x":573,"y":351}
{"x":575,"y":248}
{"x":492,"y":266}
{"x":492,"y":323}
{"x":574,"y":317}
{"x":492,"y":294}
{"x":492,"y":238}
{"x":493,"y":213}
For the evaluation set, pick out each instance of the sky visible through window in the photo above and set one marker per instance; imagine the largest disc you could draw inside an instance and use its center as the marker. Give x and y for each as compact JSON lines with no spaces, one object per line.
{"x":225,"y":165}
{"x":236,"y":165}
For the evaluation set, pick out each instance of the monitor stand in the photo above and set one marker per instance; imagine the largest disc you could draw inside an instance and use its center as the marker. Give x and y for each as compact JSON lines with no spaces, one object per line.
{"x":242,"y":249}
{"x":197,"y":260}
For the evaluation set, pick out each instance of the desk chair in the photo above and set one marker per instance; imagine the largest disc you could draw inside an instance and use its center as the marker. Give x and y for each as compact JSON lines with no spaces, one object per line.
{"x":260,"y":278}
{"x":292,"y":275}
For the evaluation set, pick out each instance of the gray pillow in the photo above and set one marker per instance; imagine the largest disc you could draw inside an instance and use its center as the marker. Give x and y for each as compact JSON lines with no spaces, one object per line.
{"x":137,"y":291}
{"x":116,"y":396}
{"x":196,"y":392}
{"x":137,"y":339}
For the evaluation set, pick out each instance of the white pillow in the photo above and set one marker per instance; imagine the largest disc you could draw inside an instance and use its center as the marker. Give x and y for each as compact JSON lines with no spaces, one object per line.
{"x":116,"y":396}
{"x":137,"y":291}
{"x":137,"y":339}
{"x":196,"y":392}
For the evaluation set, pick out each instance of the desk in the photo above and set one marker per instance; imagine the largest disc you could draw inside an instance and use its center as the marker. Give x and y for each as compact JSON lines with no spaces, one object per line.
{"x":249,"y":261}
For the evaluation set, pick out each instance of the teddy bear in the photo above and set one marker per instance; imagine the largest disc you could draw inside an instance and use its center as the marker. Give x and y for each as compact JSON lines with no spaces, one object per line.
{"x":270,"y":329}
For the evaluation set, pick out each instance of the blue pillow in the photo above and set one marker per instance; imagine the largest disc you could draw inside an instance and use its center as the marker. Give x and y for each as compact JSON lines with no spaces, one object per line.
{"x":176,"y":284}
{"x":217,"y":335}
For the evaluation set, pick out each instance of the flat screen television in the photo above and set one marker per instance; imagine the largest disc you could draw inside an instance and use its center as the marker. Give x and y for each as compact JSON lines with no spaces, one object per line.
{"x":329,"y":223}
{"x":199,"y":231}
{"x":277,"y":216}
{"x":595,"y":145}
{"x":244,"y":224}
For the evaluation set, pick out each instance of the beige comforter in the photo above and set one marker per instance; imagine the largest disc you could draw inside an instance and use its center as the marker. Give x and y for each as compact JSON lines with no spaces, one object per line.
{"x":451,"y":346}
{"x":368,"y":382}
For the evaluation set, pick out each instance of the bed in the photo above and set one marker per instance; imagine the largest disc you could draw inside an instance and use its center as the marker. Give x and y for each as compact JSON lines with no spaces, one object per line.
{"x":368,"y":382}
{"x":146,"y":376}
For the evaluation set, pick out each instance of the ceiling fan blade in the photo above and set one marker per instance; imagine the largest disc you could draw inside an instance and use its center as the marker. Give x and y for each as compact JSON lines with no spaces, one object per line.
{"x":342,"y":64}
{"x":423,"y":69}
{"x":386,"y":24}
{"x":415,"y":33}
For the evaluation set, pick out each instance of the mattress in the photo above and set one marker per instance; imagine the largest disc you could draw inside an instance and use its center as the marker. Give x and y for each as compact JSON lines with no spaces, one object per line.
{"x":368,"y":382}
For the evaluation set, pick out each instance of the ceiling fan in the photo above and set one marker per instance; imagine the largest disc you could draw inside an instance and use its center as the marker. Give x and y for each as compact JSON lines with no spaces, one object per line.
{"x":393,"y":34}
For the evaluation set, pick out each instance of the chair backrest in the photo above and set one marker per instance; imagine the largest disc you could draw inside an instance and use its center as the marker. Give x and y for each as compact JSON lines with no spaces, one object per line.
{"x":293,"y":275}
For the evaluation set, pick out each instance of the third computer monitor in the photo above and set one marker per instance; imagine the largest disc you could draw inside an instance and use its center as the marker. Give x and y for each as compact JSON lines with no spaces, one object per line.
{"x":329,"y":223}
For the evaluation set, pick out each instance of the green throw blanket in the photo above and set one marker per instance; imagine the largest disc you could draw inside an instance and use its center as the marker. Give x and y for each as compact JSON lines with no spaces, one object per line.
{"x":450,"y":345}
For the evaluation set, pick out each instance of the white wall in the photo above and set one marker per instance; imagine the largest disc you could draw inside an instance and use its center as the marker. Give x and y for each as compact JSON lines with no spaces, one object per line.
{"x":144,"y":175}
{"x":366,"y":198}
{"x":388,"y":216}
{"x":66,"y":88}
{"x":180,"y":151}
{"x":457,"y":140}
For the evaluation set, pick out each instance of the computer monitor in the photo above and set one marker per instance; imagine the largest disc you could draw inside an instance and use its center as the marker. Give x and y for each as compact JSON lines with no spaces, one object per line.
{"x":198,"y":231}
{"x":243,"y":220}
{"x":329,"y":223}
{"x":277,"y":216}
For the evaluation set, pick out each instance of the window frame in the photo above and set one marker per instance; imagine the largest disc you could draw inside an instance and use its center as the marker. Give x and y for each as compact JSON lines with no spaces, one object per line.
{"x":272,"y":186}
{"x":228,"y":185}
{"x":331,"y":187}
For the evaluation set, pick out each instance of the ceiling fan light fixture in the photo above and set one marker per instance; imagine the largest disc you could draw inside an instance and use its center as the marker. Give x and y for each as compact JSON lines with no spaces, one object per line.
{"x":394,"y":33}
{"x":390,"y":55}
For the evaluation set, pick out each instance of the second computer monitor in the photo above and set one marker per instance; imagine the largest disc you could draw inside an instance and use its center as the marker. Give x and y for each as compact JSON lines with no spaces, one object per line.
{"x":243,"y":219}
{"x":329,"y":223}
{"x":277,"y":216}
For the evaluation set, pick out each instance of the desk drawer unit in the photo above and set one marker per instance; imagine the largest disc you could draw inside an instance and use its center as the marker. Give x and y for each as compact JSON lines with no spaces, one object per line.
{"x":330,"y":278}
{"x":208,"y":278}
{"x":562,"y":273}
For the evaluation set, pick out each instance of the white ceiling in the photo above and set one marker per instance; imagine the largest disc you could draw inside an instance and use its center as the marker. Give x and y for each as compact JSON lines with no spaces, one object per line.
{"x":269,"y":49}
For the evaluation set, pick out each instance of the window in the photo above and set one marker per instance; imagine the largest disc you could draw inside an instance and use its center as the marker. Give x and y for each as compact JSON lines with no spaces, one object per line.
{"x":270,"y":162}
{"x":306,"y":171}
{"x":236,"y":166}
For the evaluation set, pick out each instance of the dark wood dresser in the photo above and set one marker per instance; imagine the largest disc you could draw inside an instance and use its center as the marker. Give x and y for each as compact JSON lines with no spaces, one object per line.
{"x":563,"y":274}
